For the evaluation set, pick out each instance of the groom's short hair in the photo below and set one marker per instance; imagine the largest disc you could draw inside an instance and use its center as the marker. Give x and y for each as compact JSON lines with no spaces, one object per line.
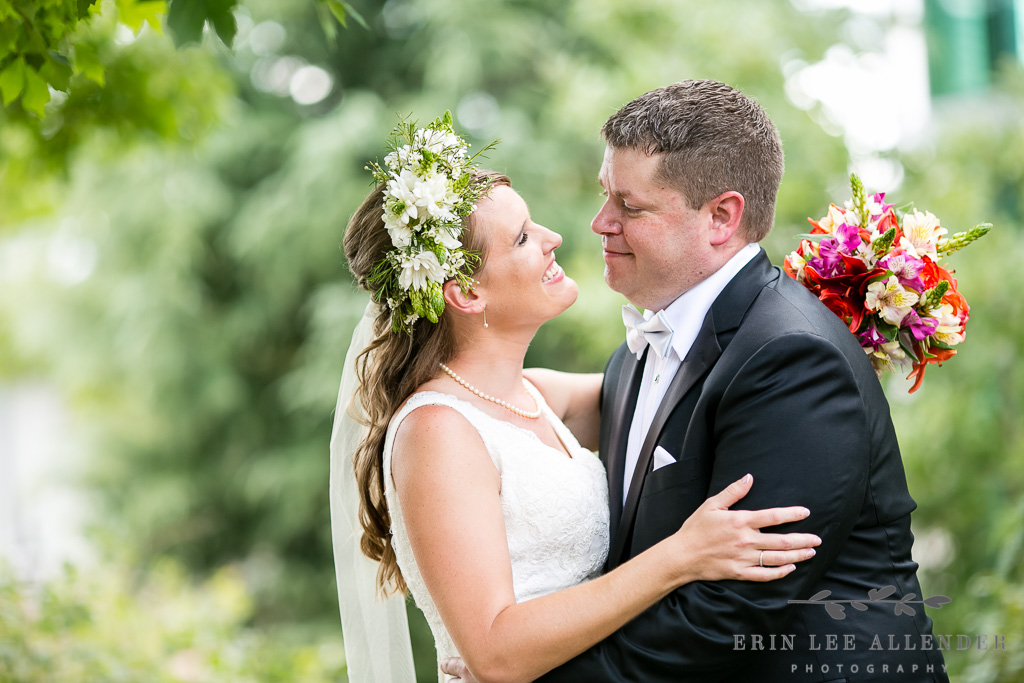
{"x":713,"y":139}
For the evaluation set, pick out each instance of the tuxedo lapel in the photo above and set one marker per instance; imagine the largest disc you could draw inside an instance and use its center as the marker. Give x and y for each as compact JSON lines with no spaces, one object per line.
{"x":718,"y":329}
{"x":702,"y":355}
{"x":624,"y":405}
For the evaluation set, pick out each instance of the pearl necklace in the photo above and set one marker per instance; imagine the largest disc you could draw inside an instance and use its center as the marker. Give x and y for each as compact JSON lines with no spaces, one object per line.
{"x":504,"y":404}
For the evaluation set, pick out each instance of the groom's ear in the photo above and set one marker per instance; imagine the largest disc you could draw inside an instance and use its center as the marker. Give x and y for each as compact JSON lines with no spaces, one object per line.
{"x":726,"y":211}
{"x":467,"y":301}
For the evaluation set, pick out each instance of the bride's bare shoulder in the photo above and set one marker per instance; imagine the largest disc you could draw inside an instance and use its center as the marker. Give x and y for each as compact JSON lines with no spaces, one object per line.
{"x":437,"y":448}
{"x":433,"y":431}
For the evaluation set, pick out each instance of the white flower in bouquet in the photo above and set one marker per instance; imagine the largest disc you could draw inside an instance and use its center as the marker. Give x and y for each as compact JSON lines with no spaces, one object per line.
{"x":890,"y":299}
{"x":890,"y":357}
{"x":950,"y":330}
{"x":921,"y":234}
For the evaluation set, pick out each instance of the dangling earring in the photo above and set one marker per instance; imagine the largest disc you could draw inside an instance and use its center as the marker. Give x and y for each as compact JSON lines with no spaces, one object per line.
{"x":485,"y":317}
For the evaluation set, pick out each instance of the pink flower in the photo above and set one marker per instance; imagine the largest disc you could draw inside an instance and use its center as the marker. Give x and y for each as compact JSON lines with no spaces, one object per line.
{"x":921,"y":328}
{"x":871,"y":337}
{"x":828,"y":262}
{"x":849,"y":237}
{"x":906,"y":268}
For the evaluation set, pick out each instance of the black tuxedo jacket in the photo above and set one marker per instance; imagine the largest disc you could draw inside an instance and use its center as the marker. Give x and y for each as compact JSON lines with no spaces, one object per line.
{"x":774,"y":385}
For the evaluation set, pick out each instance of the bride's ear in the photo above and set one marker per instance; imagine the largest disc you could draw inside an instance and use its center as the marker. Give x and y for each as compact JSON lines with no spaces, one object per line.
{"x":468,"y":302}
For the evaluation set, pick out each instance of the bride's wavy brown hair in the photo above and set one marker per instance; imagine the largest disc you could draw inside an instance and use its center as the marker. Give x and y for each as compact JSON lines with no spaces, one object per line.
{"x":391,"y":368}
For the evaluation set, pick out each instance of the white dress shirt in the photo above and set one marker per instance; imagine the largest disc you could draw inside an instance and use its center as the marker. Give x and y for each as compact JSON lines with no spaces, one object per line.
{"x":686,"y":316}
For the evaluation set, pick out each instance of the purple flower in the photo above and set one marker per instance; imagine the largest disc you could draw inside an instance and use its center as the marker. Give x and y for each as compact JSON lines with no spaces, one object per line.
{"x":907,"y":270}
{"x":877,"y":206}
{"x":921,"y":328}
{"x":849,"y":237}
{"x":871,"y":338}
{"x":828,"y":262}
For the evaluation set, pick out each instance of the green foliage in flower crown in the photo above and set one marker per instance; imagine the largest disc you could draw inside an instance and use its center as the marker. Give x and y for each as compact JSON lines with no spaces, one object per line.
{"x":425,"y":157}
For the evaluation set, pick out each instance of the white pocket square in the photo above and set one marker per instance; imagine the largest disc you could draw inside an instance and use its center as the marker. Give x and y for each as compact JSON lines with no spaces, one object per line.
{"x":662,"y":458}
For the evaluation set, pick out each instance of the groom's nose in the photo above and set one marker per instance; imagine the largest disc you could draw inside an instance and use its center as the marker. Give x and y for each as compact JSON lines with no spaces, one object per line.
{"x":605,"y":222}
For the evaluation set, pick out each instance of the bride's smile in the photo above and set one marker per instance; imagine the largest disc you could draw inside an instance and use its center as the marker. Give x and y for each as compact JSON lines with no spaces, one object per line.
{"x":520,"y":281}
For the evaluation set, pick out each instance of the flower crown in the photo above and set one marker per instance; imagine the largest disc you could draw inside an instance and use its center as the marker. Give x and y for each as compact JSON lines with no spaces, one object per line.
{"x":428,"y":193}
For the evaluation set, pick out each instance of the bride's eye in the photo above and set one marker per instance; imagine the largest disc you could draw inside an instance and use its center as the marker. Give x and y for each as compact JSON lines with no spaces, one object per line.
{"x":523,"y":236}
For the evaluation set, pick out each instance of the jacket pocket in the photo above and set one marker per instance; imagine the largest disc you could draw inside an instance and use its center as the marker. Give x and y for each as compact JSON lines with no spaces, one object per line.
{"x":669,"y":476}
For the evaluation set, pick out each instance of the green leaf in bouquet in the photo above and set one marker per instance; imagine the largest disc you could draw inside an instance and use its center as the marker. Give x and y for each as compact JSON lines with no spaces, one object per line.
{"x":932,"y":298}
{"x":962,"y":239}
{"x":859,"y":198}
{"x":940,"y":345}
{"x":887,"y":330}
{"x":907,"y":343}
{"x":884,"y":243}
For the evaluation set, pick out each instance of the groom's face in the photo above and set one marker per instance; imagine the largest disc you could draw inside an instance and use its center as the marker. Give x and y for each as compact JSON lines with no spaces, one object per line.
{"x":655,"y":246}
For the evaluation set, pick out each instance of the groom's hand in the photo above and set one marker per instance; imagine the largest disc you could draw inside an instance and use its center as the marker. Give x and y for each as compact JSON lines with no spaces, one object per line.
{"x":454,"y":666}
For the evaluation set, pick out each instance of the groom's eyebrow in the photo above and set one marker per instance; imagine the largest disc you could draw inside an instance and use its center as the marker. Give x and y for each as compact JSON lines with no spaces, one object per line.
{"x":621,"y":194}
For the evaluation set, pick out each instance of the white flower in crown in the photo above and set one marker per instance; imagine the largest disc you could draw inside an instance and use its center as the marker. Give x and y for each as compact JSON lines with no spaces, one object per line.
{"x":428,"y":193}
{"x":400,"y":232}
{"x":404,"y":156}
{"x":922,"y":233}
{"x":443,"y":235}
{"x":419,"y":269}
{"x":403,"y":188}
{"x":454,"y":264}
{"x":434,"y":198}
{"x":440,"y":141}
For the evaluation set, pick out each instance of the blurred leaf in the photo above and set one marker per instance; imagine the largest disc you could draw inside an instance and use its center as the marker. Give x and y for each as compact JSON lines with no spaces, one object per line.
{"x":135,"y":13}
{"x":36,"y":93}
{"x":12,"y":80}
{"x":222,"y":16}
{"x":186,"y":19}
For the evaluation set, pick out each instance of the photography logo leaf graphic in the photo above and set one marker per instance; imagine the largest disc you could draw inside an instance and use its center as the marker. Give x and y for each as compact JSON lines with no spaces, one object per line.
{"x":876,"y":596}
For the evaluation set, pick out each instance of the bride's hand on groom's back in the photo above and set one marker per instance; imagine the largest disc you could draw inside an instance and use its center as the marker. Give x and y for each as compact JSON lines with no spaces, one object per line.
{"x":719,"y":544}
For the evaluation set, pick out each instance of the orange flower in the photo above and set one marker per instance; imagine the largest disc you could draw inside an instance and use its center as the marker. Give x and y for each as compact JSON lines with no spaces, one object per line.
{"x":939,"y":356}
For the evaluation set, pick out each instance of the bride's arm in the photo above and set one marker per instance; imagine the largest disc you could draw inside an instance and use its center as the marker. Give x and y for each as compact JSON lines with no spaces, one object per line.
{"x":574,"y":398}
{"x":449,"y":488}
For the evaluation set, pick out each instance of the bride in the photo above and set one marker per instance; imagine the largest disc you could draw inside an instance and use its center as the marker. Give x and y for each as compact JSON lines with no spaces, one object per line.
{"x":477,"y":491}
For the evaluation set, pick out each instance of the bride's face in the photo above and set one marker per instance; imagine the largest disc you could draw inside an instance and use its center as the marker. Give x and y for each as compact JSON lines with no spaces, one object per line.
{"x":521,"y":282}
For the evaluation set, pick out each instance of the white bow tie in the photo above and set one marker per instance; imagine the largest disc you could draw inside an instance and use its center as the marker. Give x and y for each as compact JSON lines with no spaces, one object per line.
{"x":639,"y":332}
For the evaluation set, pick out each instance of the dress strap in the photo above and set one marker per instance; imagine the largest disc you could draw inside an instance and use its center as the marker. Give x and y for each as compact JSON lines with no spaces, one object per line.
{"x":482,"y":422}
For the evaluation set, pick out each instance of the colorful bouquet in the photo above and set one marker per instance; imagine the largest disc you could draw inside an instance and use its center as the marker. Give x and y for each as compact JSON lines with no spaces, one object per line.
{"x":879,"y":271}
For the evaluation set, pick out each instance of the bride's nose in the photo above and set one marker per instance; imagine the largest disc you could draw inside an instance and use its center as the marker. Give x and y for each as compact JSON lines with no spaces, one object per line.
{"x":552,"y":240}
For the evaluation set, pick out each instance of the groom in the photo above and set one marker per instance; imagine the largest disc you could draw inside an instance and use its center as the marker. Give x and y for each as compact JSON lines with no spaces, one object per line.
{"x":733,"y":368}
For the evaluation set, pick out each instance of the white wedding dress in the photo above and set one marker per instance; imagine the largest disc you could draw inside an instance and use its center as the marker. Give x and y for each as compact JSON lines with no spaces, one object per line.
{"x":555,"y":508}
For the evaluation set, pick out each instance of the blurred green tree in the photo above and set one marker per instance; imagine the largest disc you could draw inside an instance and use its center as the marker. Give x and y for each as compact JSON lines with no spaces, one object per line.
{"x":193,"y":301}
{"x":961,"y":434}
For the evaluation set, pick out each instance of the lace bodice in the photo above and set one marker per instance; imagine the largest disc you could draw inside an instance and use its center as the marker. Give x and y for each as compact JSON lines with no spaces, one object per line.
{"x":555,"y":508}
